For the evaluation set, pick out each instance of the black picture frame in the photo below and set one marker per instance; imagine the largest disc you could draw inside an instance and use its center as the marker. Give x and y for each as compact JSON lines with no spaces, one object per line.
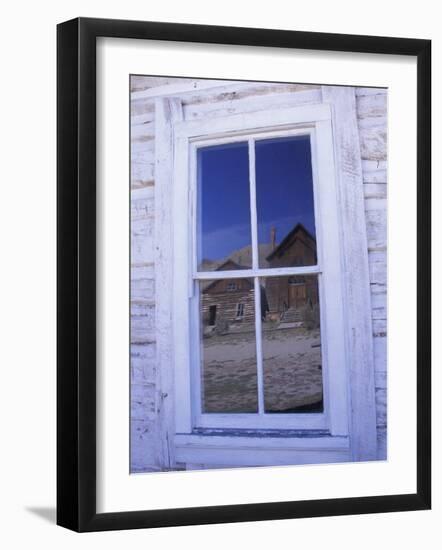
{"x":77,"y":287}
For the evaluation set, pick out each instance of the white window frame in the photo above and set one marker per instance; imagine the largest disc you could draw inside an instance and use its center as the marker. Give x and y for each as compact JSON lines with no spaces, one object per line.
{"x":336,"y":132}
{"x":314,"y":121}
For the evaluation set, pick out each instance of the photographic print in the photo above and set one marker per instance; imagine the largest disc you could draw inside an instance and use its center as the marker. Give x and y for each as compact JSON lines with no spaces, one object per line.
{"x":223,"y":274}
{"x":258,"y":276}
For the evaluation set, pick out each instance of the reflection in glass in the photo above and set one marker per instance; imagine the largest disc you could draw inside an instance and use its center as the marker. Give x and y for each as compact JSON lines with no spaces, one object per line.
{"x":228,"y":346}
{"x":223,"y":216}
{"x":285,"y":212}
{"x":291,"y":344}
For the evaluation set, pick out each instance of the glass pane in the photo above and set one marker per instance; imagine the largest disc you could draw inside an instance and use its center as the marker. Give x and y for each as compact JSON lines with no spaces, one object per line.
{"x":291,"y":343}
{"x":223,"y":217}
{"x":284,"y":193}
{"x":228,"y":347}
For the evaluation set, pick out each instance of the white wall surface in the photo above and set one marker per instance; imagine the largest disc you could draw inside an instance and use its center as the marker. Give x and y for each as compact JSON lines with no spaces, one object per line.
{"x":27,"y":290}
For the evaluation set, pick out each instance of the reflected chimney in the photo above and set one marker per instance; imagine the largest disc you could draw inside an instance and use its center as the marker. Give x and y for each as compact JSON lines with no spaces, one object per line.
{"x":273,"y":237}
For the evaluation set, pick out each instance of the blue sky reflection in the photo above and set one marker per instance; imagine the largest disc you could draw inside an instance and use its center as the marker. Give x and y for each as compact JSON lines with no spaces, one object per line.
{"x":284,"y":188}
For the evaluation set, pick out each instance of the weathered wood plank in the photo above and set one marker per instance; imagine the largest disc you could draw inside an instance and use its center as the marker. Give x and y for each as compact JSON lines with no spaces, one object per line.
{"x":379,"y":313}
{"x":143,"y":118}
{"x":373,"y":142}
{"x":376,"y":221}
{"x":179,"y":87}
{"x":209,"y":109}
{"x":142,"y":132}
{"x":372,"y":122}
{"x":374,"y":105}
{"x":144,"y":446}
{"x":378,"y":256}
{"x":373,"y":165}
{"x":381,"y":380}
{"x":382,"y":443}
{"x":143,"y":362}
{"x":361,"y":91}
{"x":379,"y":327}
{"x":200,"y":90}
{"x":142,"y":241}
{"x":246,"y":90}
{"x":142,"y":184}
{"x":142,"y":169}
{"x":381,"y":407}
{"x":374,"y":171}
{"x":143,"y":204}
{"x":250,"y":121}
{"x":376,"y":288}
{"x":141,"y":194}
{"x":167,"y":113}
{"x":143,"y":401}
{"x":244,"y":451}
{"x":378,"y":270}
{"x":380,"y":353}
{"x":378,"y":275}
{"x":141,"y":106}
{"x":142,"y":327}
{"x":142,"y":227}
{"x":139,"y":307}
{"x":143,"y":290}
{"x":378,"y":301}
{"x":375,"y":191}
{"x":142,"y":149}
{"x":141,"y":174}
{"x":357,"y":282}
{"x":144,"y":82}
{"x":375,"y":203}
{"x":144,"y":158}
{"x":142,"y":271}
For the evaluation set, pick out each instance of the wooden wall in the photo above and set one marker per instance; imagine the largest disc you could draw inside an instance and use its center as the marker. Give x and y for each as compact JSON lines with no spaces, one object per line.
{"x":146,"y":397}
{"x":372,"y":121}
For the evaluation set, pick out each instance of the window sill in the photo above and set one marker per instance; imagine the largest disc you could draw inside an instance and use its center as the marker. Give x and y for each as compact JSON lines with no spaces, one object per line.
{"x":289,"y":448}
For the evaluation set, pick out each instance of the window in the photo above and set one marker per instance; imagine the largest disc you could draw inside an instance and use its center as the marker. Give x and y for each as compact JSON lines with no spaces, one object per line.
{"x":240,"y":311}
{"x":255,"y":213}
{"x":258,"y":237}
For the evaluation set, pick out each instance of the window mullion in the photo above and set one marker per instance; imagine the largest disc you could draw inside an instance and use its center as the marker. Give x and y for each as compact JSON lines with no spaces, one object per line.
{"x":261,"y":272}
{"x":255,"y":265}
{"x":253,"y":214}
{"x":258,"y":336}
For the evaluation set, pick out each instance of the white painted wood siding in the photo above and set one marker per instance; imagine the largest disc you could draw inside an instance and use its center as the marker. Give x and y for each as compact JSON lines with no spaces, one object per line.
{"x":371,"y":105}
{"x":145,"y":435}
{"x":147,"y":396}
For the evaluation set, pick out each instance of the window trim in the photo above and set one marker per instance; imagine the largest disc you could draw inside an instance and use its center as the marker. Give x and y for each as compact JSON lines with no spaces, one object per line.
{"x":312,"y":119}
{"x":362,"y":438}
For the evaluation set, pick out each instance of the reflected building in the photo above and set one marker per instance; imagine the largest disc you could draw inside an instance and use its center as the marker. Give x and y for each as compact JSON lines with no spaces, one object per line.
{"x":228,"y":304}
{"x":288,"y":295}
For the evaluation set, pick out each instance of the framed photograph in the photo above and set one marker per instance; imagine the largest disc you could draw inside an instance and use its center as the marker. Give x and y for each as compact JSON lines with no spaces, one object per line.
{"x":243,"y":274}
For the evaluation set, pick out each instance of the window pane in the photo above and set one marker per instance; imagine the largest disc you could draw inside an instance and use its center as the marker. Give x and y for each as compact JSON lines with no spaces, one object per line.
{"x":223,"y":224}
{"x":228,"y":347}
{"x":291,"y":343}
{"x":284,"y":191}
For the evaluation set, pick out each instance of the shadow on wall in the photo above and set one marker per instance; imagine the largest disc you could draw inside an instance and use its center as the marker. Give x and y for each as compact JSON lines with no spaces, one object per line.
{"x":44,"y":512}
